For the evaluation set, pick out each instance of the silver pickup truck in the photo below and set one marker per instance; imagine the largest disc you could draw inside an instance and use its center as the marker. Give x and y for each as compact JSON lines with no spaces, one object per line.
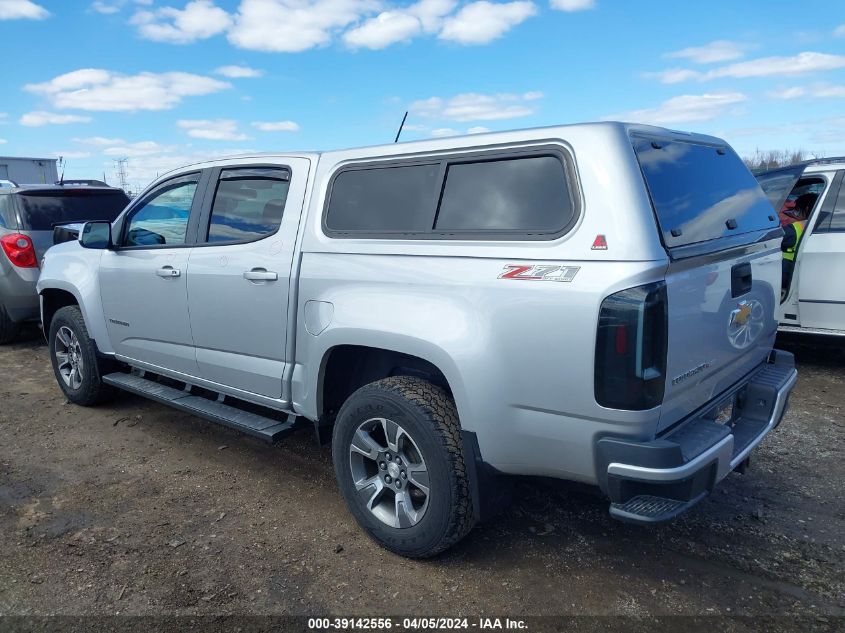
{"x":590,"y":302}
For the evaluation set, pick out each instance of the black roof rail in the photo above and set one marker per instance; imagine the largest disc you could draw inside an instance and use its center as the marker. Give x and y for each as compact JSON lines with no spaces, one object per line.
{"x":81,"y":181}
{"x":825,"y":161}
{"x":803,"y":163}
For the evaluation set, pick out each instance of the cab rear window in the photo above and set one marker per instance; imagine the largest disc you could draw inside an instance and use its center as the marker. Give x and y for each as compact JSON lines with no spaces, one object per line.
{"x":701,"y":192}
{"x":40,"y":210}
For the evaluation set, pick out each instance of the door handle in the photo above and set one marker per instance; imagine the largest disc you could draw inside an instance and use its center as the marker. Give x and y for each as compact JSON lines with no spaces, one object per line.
{"x":260,"y":274}
{"x":168,"y":272}
{"x":741,"y":279}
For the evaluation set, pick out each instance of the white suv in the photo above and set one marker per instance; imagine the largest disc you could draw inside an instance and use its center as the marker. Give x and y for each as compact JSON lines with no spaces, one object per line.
{"x":815,"y":300}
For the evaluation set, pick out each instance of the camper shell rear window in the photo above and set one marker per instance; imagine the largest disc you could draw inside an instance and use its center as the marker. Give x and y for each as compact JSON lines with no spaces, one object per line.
{"x":701,"y":192}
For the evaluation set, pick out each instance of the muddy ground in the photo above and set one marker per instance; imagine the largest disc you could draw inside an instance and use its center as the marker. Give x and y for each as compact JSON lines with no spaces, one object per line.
{"x":134,"y":508}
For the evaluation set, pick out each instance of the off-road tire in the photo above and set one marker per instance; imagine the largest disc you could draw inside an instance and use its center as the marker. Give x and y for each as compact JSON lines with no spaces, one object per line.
{"x":92,"y":390}
{"x":9,"y":330}
{"x":429,"y":415}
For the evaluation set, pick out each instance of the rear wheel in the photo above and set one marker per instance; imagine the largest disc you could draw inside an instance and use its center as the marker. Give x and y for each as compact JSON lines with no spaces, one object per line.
{"x":399,"y":463}
{"x":9,"y":330}
{"x":74,"y":358}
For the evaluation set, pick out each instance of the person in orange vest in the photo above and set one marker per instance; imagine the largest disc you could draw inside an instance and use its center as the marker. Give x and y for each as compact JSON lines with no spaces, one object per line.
{"x":792,"y":234}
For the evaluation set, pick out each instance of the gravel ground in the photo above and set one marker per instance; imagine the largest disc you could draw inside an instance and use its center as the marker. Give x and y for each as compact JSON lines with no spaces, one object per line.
{"x":135,"y":508}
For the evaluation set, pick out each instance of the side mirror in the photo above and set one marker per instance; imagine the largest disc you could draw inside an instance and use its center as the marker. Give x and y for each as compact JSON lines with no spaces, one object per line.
{"x":96,"y":235}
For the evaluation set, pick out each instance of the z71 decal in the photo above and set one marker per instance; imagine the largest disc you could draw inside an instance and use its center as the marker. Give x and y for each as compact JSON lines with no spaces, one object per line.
{"x":540,"y":272}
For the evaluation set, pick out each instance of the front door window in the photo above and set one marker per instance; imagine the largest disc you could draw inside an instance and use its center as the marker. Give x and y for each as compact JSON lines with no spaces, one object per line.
{"x":162,"y":219}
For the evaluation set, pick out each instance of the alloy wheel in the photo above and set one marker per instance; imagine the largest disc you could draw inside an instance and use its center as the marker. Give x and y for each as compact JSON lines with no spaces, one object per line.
{"x":389,"y":472}
{"x":69,"y":357}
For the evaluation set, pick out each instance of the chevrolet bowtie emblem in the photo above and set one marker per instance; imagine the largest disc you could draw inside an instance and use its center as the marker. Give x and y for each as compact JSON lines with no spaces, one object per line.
{"x":742,"y":314}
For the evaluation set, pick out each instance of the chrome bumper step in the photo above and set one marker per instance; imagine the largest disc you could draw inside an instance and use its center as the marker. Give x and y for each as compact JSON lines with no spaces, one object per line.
{"x":650,"y":509}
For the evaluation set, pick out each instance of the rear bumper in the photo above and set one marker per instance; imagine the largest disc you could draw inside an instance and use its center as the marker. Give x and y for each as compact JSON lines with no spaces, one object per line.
{"x":655,"y":481}
{"x":19,"y":297}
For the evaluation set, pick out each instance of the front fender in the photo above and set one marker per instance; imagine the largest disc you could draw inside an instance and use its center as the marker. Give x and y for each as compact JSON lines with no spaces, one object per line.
{"x":74,"y":269}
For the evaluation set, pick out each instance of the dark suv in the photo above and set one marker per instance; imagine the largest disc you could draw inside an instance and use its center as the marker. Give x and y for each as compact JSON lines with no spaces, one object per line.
{"x":28,"y":216}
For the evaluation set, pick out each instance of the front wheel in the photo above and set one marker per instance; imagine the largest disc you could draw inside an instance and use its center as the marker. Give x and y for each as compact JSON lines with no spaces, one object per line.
{"x":399,"y":463}
{"x":74,"y":358}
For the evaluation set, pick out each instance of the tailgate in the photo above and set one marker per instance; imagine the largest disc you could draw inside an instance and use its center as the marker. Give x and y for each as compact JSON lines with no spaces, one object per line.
{"x":723,"y":281}
{"x":721,"y":325}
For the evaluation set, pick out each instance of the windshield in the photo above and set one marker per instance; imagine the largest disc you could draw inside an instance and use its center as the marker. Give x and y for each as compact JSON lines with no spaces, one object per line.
{"x":40,"y":210}
{"x":701,"y":192}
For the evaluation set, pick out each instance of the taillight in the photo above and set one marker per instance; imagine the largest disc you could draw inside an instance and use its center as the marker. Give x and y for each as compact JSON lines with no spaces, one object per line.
{"x":19,"y":250}
{"x":630,"y":371}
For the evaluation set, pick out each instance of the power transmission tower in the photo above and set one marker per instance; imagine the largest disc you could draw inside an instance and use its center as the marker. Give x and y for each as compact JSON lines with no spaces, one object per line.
{"x":120,"y":165}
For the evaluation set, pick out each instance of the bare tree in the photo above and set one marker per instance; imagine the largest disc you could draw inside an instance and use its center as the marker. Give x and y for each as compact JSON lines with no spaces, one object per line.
{"x":770,"y":159}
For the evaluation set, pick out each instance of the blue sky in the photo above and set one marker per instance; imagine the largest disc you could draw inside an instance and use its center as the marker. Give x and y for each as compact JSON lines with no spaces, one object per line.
{"x":167,"y":82}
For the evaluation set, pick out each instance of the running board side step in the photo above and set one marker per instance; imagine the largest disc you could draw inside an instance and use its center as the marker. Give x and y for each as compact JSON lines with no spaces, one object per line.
{"x":267,"y":429}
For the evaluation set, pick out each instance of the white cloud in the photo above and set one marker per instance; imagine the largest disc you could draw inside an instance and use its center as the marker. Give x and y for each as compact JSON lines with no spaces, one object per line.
{"x":105,"y":8}
{"x":481,"y":22}
{"x":829,"y":91}
{"x":440,"y":132}
{"x":22,"y":10}
{"x":685,"y":109}
{"x":803,"y":63}
{"x":572,"y":5}
{"x":399,"y":25}
{"x":134,"y":150}
{"x":103,"y":90}
{"x":237,"y":72}
{"x":431,"y":12}
{"x":476,"y":107}
{"x":40,"y":118}
{"x":675,"y":75}
{"x":787,"y":94}
{"x":99,"y":141}
{"x":110,"y":7}
{"x":212,"y":129}
{"x":839,"y":31}
{"x":3,"y":141}
{"x":817,"y":91}
{"x":200,"y":19}
{"x":718,"y":51}
{"x":276,"y":126}
{"x":383,"y":30}
{"x":800,"y":64}
{"x":478,"y":129}
{"x":292,"y":26}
